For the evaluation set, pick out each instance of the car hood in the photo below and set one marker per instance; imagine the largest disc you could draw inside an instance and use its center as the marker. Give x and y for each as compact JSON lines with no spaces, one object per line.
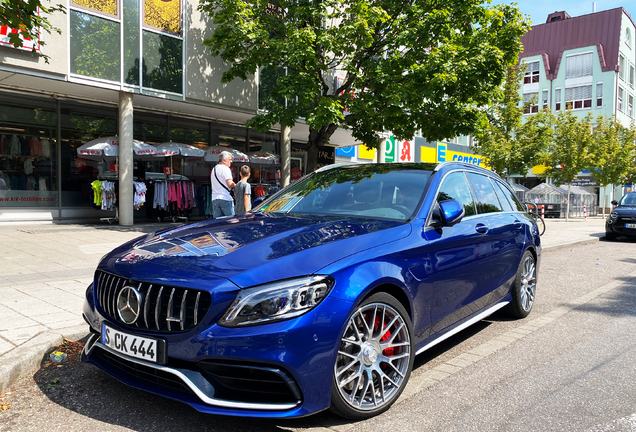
{"x":249,"y":250}
{"x":626,"y":211}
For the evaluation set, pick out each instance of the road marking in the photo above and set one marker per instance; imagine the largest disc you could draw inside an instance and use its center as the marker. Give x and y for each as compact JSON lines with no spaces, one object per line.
{"x":622,"y":424}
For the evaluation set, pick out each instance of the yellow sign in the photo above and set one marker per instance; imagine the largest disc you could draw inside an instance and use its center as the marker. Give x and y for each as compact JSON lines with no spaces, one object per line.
{"x":539,"y":169}
{"x":442,"y":154}
{"x":365,"y":153}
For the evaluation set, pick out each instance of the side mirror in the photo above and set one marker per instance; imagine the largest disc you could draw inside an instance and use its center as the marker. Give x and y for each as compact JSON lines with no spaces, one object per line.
{"x":451,"y":212}
{"x":447,"y":213}
{"x":614,"y":202}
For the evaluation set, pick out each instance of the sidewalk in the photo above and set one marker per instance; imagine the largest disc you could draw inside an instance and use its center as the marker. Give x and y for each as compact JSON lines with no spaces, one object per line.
{"x":46,"y":268}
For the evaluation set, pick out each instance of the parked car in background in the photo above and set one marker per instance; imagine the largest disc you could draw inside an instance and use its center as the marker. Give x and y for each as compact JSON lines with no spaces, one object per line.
{"x":321,"y":297}
{"x":622,"y":220}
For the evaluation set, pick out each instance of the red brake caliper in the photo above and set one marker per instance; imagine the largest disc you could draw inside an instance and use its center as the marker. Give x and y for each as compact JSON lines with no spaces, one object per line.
{"x":388,"y":351}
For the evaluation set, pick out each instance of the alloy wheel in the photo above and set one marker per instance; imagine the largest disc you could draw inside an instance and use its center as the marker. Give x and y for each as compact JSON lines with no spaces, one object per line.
{"x":373,"y":357}
{"x":528,"y":283}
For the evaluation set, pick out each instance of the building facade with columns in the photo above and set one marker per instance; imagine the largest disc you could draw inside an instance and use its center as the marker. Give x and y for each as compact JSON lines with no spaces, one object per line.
{"x":130,"y":69}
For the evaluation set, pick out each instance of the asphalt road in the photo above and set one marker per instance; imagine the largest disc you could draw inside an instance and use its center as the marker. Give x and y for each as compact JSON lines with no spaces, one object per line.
{"x":574,"y":369}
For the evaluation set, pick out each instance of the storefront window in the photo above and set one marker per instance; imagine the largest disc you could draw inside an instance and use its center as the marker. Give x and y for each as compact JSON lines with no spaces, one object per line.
{"x":81,"y":124}
{"x":131,"y":41}
{"x":95,"y":46}
{"x":163,"y":62}
{"x":28,"y":154}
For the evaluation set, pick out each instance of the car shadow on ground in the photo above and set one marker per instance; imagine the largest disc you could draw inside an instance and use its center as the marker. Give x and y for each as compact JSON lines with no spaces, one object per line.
{"x":86,"y":390}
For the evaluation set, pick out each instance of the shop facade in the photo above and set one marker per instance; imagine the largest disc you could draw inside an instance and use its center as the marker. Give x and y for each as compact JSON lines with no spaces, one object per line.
{"x":149,"y":55}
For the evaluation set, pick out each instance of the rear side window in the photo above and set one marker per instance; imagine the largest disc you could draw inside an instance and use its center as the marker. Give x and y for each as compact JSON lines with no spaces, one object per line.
{"x":455,"y":187}
{"x":512,"y":198}
{"x":485,"y":197}
{"x":505,"y":204}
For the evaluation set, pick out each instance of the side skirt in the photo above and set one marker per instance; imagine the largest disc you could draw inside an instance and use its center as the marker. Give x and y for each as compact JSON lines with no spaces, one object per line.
{"x":463,"y":326}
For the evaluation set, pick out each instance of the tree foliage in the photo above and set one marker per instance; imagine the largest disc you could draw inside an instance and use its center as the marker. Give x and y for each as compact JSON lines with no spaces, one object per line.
{"x":28,"y":17}
{"x":568,"y":152}
{"x":511,"y":144}
{"x":613,"y":151}
{"x":411,"y":65}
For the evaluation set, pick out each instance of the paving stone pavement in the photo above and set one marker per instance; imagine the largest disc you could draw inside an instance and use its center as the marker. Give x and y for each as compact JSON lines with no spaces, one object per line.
{"x":45,"y":269}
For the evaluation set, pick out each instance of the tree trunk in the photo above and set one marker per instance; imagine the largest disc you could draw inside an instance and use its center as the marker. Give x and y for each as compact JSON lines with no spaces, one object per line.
{"x":312,"y":158}
{"x":317,"y":140}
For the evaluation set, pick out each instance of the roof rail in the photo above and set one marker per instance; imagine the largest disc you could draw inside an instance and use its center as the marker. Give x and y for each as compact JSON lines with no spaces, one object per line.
{"x":443,"y":164}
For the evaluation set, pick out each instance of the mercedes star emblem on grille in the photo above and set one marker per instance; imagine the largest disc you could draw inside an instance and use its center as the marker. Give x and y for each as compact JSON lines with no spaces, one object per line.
{"x":129,"y":304}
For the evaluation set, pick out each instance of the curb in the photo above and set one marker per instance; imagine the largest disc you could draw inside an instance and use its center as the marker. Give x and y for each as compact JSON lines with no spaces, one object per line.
{"x":27,"y":357}
{"x":570,"y":244}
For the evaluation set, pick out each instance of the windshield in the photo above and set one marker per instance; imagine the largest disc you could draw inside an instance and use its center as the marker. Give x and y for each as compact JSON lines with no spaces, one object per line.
{"x":391,"y":191}
{"x":628,"y":200}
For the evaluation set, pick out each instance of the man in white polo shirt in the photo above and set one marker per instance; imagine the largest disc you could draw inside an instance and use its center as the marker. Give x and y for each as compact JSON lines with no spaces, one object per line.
{"x":222,"y":183}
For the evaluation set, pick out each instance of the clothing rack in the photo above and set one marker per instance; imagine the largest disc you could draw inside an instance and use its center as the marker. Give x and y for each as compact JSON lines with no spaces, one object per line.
{"x":113,"y":178}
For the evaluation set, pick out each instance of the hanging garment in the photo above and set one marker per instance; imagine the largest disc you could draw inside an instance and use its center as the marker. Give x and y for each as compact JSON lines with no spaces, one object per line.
{"x":3,"y":139}
{"x":28,"y":166}
{"x":35,"y":147}
{"x":42,"y":184}
{"x":46,"y":148}
{"x":96,"y":186}
{"x":14,"y":145}
{"x":24,"y":146}
{"x":140,"y":194}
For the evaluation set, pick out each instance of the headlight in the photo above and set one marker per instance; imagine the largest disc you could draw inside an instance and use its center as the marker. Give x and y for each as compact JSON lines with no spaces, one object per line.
{"x":277,"y":301}
{"x":612,"y":217}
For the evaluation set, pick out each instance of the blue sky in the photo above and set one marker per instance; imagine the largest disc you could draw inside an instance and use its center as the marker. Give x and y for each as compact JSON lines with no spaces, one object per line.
{"x":539,"y":9}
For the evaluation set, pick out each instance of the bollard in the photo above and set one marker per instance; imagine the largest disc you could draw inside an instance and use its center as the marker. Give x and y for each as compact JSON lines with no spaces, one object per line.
{"x":542,"y":212}
{"x":584,"y":212}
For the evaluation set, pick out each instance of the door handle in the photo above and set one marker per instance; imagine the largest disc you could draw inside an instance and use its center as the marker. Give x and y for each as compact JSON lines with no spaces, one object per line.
{"x":481,"y":228}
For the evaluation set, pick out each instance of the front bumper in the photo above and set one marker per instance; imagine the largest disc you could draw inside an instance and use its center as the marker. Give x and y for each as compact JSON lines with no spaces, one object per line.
{"x":618,"y":228}
{"x":282,"y":369}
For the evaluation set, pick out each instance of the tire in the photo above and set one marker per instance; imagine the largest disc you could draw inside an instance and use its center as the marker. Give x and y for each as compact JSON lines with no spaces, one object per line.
{"x":524,"y":287}
{"x":372,"y":367}
{"x":610,"y":236}
{"x":541,"y":225}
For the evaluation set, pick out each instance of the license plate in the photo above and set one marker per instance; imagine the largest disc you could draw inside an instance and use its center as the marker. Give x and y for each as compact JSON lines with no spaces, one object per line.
{"x":144,"y":348}
{"x":630,"y":225}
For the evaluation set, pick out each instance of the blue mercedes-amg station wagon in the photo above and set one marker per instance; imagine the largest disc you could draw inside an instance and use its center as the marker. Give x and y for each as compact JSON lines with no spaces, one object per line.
{"x":320,"y":297}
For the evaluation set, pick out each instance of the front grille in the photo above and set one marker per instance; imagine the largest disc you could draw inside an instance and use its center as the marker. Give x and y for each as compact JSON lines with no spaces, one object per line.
{"x":163,"y":308}
{"x":250,"y":383}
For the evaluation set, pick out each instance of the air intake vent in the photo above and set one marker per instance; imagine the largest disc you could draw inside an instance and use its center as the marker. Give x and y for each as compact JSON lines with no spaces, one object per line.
{"x":162,"y":308}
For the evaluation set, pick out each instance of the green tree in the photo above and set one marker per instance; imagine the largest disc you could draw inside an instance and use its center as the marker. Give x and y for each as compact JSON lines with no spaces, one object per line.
{"x":406,"y":65}
{"x":28,"y":17}
{"x":612,"y":152}
{"x":569,"y":151}
{"x":511,"y":144}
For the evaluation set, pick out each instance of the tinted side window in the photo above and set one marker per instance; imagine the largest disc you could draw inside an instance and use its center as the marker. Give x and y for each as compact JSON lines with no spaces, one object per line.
{"x":455,"y":187}
{"x":505,"y":204}
{"x":512,"y":198}
{"x":485,"y":197}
